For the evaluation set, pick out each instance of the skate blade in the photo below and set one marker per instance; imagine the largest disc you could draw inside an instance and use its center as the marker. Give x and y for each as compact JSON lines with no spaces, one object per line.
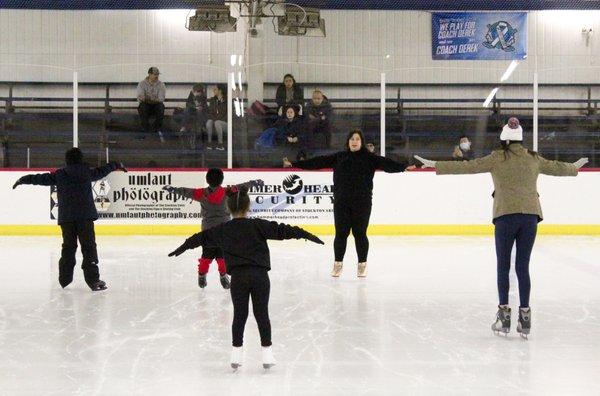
{"x":500,"y":332}
{"x":267,"y":366}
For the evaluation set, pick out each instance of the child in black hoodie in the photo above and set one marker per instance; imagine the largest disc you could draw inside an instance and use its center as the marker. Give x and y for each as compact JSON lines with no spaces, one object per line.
{"x":244,"y":243}
{"x":76,"y":213}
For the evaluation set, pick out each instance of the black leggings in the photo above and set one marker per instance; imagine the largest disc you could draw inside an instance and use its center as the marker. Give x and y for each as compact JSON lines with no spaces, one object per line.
{"x":510,"y":229}
{"x":351,"y":215}
{"x":249,"y":282}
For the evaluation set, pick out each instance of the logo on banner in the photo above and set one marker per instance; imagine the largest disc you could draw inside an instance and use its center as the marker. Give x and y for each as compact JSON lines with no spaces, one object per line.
{"x":101,"y":200}
{"x":501,"y":35}
{"x":292,"y":184}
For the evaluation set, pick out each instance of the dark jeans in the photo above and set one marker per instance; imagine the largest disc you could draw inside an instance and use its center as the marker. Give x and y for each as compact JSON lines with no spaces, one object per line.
{"x":351,"y":214}
{"x":149,"y":110}
{"x":249,"y":282}
{"x":522,"y":229}
{"x":212,"y":252}
{"x":319,"y":134}
{"x":71,"y":232}
{"x":194,"y":119}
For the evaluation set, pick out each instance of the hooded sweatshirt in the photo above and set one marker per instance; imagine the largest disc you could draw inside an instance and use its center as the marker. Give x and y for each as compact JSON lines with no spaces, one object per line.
{"x":74,"y":189}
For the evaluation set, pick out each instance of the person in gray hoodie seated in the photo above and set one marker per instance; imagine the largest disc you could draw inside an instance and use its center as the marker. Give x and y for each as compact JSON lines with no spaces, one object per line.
{"x":151,"y":96}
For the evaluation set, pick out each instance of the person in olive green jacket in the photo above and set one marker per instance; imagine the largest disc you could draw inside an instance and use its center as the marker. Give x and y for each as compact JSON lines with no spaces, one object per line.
{"x":517,"y":210}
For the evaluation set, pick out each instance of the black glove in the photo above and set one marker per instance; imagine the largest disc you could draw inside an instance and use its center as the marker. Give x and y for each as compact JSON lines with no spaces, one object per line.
{"x":169,"y":189}
{"x":314,"y":238}
{"x":178,"y":251}
{"x":17,"y":183}
{"x":258,"y":183}
{"x":121,"y":166}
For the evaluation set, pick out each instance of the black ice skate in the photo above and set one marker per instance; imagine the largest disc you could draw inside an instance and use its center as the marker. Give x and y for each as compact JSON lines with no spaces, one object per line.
{"x":502,"y":324}
{"x":524,"y":325}
{"x":98,"y":286}
{"x":225,"y":281}
{"x":202,"y":280}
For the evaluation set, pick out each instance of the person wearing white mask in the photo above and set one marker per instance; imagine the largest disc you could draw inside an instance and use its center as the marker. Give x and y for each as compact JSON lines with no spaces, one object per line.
{"x":463,"y":152}
{"x":517,"y":210}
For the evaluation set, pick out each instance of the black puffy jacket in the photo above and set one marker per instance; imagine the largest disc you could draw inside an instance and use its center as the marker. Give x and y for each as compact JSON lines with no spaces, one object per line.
{"x":74,"y":188}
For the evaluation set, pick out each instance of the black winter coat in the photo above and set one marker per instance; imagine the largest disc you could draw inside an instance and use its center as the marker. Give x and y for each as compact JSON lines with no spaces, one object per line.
{"x":74,"y":188}
{"x":353,"y":172}
{"x":193,"y":102}
{"x":244,"y":241}
{"x":217,"y":110}
{"x":298,"y":97}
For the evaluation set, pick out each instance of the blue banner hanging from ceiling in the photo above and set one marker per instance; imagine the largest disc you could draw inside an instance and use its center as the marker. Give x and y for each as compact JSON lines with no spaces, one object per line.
{"x":450,"y":5}
{"x":479,"y":35}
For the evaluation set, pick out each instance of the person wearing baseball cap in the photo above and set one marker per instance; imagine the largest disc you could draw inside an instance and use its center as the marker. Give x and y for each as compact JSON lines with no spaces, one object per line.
{"x":517,"y":210}
{"x":151,"y":96}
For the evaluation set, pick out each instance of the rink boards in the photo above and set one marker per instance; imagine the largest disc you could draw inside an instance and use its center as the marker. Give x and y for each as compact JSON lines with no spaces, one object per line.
{"x":417,"y":203}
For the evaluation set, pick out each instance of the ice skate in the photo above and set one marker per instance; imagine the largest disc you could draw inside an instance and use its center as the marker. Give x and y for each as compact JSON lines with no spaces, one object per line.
{"x":337,"y":269}
{"x":268,"y":359}
{"x":225,"y":281}
{"x":237,"y":355}
{"x":98,"y":286}
{"x":502,"y":324}
{"x":362,"y":270}
{"x":524,"y":325}
{"x":202,"y":280}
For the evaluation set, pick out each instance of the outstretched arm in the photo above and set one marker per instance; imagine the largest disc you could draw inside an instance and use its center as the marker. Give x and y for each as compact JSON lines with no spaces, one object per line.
{"x":321,"y":162}
{"x":389,"y":165}
{"x":280,"y":231}
{"x":557,"y":168}
{"x":102,"y":171}
{"x":252,"y":183}
{"x":39,"y":179}
{"x":210,"y":237}
{"x":191,"y":193}
{"x":479,"y":165}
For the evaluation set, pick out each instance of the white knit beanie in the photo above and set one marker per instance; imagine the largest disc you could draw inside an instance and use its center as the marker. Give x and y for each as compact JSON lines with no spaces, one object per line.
{"x":512,"y":131}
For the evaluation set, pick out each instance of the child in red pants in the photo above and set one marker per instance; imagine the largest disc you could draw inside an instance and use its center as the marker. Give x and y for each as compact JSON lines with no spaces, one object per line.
{"x":214,"y":212}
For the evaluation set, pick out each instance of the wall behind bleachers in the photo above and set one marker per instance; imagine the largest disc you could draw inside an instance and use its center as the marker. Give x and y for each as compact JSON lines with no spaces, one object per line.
{"x":120,"y":45}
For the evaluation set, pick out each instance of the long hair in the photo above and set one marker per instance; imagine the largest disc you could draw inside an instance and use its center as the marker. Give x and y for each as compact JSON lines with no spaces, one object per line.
{"x":238,"y":200}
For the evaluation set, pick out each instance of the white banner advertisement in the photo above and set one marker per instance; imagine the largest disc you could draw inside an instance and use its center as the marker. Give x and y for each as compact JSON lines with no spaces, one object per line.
{"x":410,"y":201}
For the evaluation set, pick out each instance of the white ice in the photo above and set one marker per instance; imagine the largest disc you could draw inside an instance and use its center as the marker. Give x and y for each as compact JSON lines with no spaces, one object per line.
{"x":419,"y":324}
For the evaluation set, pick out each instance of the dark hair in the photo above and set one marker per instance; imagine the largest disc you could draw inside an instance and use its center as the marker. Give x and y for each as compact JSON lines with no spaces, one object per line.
{"x":286,"y":108}
{"x":198,"y":87}
{"x":223,"y":89}
{"x":214,"y":177}
{"x":238,"y":200}
{"x":290,"y":76}
{"x":73,"y":156}
{"x":505,"y":147}
{"x":358,"y":132}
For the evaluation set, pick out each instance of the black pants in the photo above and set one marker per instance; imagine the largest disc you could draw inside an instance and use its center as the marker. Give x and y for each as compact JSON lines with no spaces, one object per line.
{"x":149,"y":110}
{"x":71,"y":232}
{"x":212,"y":252}
{"x":351,"y":214}
{"x":249,"y":282}
{"x":522,"y":229}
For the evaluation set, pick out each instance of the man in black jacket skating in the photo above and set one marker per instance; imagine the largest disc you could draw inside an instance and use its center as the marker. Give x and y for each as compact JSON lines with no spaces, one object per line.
{"x":76,"y":213}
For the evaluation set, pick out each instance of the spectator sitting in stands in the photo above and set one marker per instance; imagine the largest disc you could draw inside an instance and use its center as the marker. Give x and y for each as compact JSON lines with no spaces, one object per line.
{"x":217,"y":116}
{"x":370,"y":147}
{"x":151,"y":96}
{"x":195,"y":108}
{"x":285,"y":132}
{"x":289,"y":93}
{"x":319,"y":113}
{"x":463,"y":151}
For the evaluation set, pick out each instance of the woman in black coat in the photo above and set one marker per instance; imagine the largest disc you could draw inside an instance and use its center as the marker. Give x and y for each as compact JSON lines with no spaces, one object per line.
{"x":289,"y":93}
{"x":353,"y":172}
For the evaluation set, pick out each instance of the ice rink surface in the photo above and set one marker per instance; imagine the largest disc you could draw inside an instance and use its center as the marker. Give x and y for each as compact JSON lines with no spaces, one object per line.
{"x":419,"y":324}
